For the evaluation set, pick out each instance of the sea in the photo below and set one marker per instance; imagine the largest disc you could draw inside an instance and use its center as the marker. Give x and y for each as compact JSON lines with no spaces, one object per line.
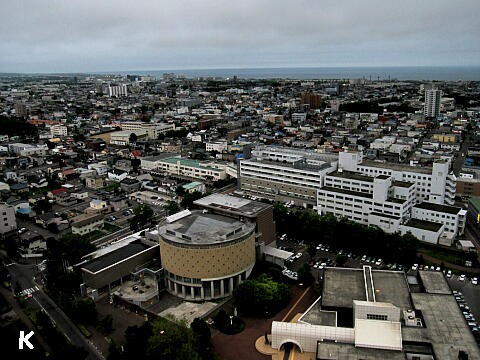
{"x":429,"y":73}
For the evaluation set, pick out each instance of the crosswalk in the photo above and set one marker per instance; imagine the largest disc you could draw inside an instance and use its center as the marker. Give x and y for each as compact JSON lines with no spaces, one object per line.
{"x":28,"y":291}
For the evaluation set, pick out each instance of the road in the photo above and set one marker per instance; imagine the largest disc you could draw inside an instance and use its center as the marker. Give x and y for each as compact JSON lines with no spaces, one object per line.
{"x":23,"y":275}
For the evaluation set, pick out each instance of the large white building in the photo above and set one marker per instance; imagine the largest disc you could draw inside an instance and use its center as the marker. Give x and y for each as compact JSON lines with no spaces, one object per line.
{"x":184,"y":168}
{"x":434,"y":184}
{"x":285,"y":174}
{"x":117,"y":90}
{"x":431,"y":107}
{"x":393,"y":199}
{"x":28,"y":149}
{"x":58,"y":130}
{"x":153,"y":130}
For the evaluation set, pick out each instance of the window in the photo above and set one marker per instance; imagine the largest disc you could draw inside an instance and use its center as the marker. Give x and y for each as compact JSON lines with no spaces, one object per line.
{"x":377,"y":317}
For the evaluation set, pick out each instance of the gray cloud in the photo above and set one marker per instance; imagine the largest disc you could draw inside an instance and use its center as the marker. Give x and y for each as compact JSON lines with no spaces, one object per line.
{"x":93,"y":35}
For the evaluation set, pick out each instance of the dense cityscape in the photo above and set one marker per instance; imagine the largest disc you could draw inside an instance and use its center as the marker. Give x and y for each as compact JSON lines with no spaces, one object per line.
{"x":173,"y":217}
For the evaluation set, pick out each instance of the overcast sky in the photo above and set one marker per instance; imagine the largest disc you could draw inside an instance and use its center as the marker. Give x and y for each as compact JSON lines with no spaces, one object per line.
{"x":109,"y":35}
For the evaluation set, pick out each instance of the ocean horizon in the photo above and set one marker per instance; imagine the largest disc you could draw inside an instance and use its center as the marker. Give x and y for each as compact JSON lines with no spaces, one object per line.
{"x":441,"y":73}
{"x":418,"y":73}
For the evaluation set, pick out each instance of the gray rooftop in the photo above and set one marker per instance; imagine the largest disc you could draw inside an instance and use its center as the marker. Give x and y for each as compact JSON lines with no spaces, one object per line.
{"x":434,"y":282}
{"x":438,"y":207}
{"x":232,"y":204}
{"x":445,"y":326}
{"x":329,"y":350}
{"x":352,"y":175}
{"x":342,"y":286}
{"x":397,"y":167}
{"x":111,"y":258}
{"x":205,"y":229}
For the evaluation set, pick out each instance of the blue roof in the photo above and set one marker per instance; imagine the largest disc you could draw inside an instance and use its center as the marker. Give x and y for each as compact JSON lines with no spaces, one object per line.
{"x":24,"y":210}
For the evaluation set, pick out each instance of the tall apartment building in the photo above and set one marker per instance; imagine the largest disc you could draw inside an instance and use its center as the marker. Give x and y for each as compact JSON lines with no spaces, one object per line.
{"x":153,"y":130}
{"x":393,"y":199}
{"x":117,"y":90}
{"x":58,"y":130}
{"x":285,"y":174}
{"x":431,"y":107}
{"x":7,"y":219}
{"x":314,"y":101}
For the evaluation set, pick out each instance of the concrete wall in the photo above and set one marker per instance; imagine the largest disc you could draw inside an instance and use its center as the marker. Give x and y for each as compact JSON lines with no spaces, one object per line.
{"x":209,"y":262}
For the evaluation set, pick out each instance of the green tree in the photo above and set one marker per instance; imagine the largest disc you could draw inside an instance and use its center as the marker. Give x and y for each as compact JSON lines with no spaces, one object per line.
{"x":261,"y":296}
{"x":172,"y":208}
{"x":305,"y":275}
{"x":133,"y":138}
{"x":85,"y":312}
{"x":106,"y":324}
{"x":189,"y":198}
{"x":144,"y":216}
{"x":341,"y":260}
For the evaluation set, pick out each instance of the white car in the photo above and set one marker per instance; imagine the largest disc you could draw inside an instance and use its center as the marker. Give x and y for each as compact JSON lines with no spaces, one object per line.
{"x":415,"y":267}
{"x":379,"y":262}
{"x":449,"y":273}
{"x":299,"y":255}
{"x":461,"y":278}
{"x":474,"y":281}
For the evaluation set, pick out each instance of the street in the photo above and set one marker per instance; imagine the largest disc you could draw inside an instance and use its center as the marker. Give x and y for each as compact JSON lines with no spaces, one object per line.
{"x":23,"y":275}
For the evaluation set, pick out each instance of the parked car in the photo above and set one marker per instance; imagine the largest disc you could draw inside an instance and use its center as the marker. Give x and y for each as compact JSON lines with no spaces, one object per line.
{"x":449,"y":273}
{"x":415,"y":267}
{"x":474,"y":281}
{"x":462,"y":277}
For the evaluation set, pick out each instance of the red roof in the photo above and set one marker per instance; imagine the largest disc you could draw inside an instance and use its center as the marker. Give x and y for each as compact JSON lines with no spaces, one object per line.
{"x":58,"y":191}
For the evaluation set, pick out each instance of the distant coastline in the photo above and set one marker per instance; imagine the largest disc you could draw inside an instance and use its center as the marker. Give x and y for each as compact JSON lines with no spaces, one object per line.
{"x":442,"y":73}
{"x":427,"y":73}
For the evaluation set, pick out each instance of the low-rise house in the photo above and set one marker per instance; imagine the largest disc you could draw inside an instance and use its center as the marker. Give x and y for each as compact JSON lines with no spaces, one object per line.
{"x":129,"y":185}
{"x":95,"y":182}
{"x":117,"y":175}
{"x":84,"y":224}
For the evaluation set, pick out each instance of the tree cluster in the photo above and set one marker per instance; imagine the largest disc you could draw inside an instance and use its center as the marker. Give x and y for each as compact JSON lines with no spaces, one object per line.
{"x":261,"y":296}
{"x":307,"y":226}
{"x":144,"y":216}
{"x":165,"y":339}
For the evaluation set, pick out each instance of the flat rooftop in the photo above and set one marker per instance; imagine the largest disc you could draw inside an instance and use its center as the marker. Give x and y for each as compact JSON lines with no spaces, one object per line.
{"x":434,"y":282}
{"x":445,"y":326}
{"x":301,"y":165}
{"x":100,"y":263}
{"x":329,"y":350}
{"x":423,"y":224}
{"x":232,"y":204}
{"x":439,"y":208}
{"x":314,"y":315}
{"x":346,"y":192}
{"x":396,"y":167}
{"x":204,"y":229}
{"x":342,"y":286}
{"x":352,"y":175}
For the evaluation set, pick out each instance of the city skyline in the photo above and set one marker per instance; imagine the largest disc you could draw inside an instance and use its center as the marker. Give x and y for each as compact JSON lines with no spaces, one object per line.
{"x":92,"y":37}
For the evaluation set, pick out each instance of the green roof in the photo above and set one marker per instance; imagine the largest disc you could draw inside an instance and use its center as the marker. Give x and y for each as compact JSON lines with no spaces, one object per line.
{"x":475,"y":201}
{"x":191,"y":185}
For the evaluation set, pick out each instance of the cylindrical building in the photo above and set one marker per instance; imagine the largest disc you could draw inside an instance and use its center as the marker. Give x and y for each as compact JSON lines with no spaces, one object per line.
{"x":206,"y":256}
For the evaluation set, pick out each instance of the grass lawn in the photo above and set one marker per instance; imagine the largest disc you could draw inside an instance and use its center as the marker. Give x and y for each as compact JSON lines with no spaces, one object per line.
{"x":445,"y":255}
{"x":94,"y":235}
{"x":110,"y":228}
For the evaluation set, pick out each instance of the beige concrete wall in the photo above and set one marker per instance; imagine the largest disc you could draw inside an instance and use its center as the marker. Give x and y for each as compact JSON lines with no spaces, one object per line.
{"x":214,"y":262}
